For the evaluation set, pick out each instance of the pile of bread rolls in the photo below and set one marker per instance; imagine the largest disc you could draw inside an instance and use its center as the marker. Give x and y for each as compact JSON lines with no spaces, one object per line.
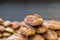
{"x":33,"y":27}
{"x":8,"y":28}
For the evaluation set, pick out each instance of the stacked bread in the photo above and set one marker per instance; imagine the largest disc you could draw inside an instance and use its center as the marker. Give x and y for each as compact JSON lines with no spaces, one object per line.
{"x":33,"y":27}
{"x":8,"y":28}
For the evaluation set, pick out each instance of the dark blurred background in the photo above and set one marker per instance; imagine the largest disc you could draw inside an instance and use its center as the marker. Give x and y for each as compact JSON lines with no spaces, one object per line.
{"x":16,"y":10}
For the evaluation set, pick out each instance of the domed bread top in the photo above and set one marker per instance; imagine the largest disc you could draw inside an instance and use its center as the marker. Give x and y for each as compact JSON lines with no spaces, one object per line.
{"x":37,"y":37}
{"x":33,"y":19}
{"x":7,"y":23}
{"x":50,"y":35}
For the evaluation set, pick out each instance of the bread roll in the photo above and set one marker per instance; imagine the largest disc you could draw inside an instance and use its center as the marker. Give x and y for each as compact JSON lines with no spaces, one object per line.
{"x":9,"y":29}
{"x":42,"y":29}
{"x":33,"y":19}
{"x":37,"y":37}
{"x":7,"y":23}
{"x":27,"y":30}
{"x":17,"y":37}
{"x":50,"y":35}
{"x":6,"y":34}
{"x":15,"y":25}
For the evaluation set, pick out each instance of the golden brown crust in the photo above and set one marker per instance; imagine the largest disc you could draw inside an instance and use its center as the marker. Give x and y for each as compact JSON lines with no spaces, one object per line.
{"x":2,"y":28}
{"x":33,"y":20}
{"x":42,"y":29}
{"x":52,"y":24}
{"x":17,"y":37}
{"x":6,"y":34}
{"x":37,"y":37}
{"x":27,"y":30}
{"x":15,"y":25}
{"x":51,"y":35}
{"x":7,"y":23}
{"x":9,"y":29}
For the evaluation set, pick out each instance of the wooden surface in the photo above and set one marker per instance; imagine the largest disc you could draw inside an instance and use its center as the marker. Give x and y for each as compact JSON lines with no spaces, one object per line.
{"x":17,"y":11}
